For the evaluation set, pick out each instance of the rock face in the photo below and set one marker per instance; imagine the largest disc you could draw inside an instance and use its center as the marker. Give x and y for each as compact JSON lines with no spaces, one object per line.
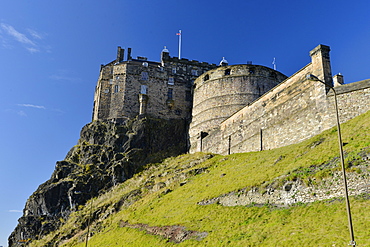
{"x":106,"y":154}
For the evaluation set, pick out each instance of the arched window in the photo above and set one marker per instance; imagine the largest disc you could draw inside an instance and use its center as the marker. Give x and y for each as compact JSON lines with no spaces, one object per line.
{"x":206,"y":78}
{"x":227,"y":71}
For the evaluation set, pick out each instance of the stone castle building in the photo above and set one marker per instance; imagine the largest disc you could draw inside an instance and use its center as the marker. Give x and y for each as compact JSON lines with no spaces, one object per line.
{"x":131,"y":87}
{"x":230,"y":108}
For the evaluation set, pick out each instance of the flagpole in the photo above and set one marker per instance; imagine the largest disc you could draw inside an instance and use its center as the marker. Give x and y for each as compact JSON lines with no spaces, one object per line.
{"x":179,"y":44}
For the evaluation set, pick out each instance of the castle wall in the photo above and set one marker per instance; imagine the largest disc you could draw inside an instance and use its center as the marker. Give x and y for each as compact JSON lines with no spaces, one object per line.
{"x":353,"y":99}
{"x":102,"y":97}
{"x":221,"y":92}
{"x":291,"y":112}
{"x":163,"y":89}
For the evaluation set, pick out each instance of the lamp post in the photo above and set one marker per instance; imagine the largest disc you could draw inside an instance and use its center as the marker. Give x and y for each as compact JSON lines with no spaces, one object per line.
{"x":314,"y":78}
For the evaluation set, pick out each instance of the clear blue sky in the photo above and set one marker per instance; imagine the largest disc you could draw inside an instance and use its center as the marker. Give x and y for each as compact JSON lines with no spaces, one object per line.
{"x":51,"y":51}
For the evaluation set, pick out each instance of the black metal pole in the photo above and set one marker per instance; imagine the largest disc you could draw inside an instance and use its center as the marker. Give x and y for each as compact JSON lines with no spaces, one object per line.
{"x":348,"y":207}
{"x":350,"y":226}
{"x":229,"y":149}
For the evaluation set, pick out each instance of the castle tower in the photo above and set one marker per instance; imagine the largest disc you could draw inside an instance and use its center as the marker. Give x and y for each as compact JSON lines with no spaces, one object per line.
{"x":131,"y":87}
{"x":221,"y":92}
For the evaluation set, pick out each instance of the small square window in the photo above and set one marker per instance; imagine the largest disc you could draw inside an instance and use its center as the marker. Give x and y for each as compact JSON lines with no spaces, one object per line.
{"x":110,"y":81}
{"x":144,"y":89}
{"x":174,"y":70}
{"x":171,"y":81}
{"x":144,"y":76}
{"x":106,"y":91}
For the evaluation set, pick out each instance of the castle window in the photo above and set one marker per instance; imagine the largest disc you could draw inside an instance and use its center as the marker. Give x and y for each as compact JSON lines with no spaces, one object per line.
{"x":110,"y":81}
{"x":170,"y":94}
{"x":106,"y":91}
{"x":227,"y":71}
{"x":117,"y":77}
{"x":194,"y":72}
{"x":144,"y":76}
{"x":173,"y":70}
{"x":144,"y":89}
{"x":171,"y":81}
{"x":116,"y":88}
{"x":187,"y":95}
{"x":206,"y":78}
{"x":251,"y":71}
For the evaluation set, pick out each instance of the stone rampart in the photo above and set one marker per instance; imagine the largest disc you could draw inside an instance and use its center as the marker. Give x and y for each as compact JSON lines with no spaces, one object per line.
{"x":221,"y":92}
{"x":291,"y":112}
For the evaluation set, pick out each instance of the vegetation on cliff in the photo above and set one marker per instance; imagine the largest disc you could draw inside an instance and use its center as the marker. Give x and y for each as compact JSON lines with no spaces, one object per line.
{"x":106,"y":154}
{"x":161,"y":205}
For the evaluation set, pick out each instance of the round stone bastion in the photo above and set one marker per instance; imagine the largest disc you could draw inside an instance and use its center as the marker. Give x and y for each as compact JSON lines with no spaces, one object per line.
{"x":221,"y":92}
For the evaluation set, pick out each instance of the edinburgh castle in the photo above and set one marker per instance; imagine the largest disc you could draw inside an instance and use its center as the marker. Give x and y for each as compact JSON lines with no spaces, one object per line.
{"x":229,"y":108}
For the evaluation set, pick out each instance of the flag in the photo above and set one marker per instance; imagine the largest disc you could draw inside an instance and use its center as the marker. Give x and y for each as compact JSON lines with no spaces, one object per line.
{"x":178,"y":33}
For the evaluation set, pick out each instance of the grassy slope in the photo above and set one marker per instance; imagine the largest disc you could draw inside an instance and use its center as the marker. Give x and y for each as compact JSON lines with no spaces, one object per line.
{"x":315,"y":224}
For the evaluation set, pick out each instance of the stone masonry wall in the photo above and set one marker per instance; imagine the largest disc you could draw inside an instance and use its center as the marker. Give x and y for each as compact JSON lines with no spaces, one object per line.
{"x":221,"y":92}
{"x":353,"y":99}
{"x":293,"y":114}
{"x":162,"y":90}
{"x":295,"y":102}
{"x":293,"y":111}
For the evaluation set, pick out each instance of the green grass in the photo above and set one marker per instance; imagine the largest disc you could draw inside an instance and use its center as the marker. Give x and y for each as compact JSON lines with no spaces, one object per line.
{"x":322,"y":223}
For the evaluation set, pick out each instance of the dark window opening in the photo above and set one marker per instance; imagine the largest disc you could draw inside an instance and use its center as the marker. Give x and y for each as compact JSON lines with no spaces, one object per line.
{"x":206,"y":78}
{"x":251,"y":71}
{"x":116,"y":88}
{"x":170,"y":94}
{"x":227,"y":71}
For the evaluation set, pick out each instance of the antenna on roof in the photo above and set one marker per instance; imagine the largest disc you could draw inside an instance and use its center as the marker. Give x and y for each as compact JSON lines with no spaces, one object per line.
{"x":179,"y":34}
{"x":274,"y":63}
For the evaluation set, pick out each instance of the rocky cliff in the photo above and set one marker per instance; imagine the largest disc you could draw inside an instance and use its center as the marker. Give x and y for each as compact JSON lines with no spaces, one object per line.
{"x":106,"y":154}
